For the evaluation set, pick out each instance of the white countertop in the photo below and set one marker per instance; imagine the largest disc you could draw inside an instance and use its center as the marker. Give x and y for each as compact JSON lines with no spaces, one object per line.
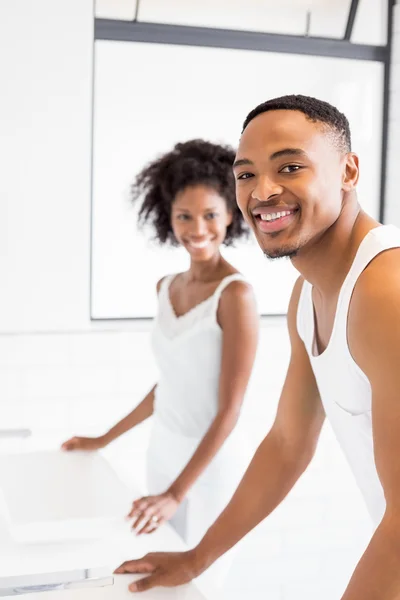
{"x":121,"y":544}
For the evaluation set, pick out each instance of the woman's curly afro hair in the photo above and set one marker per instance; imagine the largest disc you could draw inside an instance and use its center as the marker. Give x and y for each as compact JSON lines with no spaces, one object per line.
{"x":191,"y":163}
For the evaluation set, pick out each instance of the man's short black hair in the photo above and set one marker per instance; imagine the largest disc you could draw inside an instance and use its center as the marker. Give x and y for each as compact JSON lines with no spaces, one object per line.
{"x":315,"y":110}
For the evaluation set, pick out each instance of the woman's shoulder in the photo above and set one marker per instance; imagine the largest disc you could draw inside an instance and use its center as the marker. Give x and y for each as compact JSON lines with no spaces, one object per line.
{"x":166,"y":280}
{"x":160,"y":282}
{"x":234,"y":288}
{"x":233,"y":279}
{"x":237,"y":304}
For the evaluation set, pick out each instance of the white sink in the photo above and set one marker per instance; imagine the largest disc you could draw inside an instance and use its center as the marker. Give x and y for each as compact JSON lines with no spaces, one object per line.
{"x":57,"y":496}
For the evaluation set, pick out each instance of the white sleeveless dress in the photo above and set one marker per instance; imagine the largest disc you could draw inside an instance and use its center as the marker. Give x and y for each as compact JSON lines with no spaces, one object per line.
{"x":345,"y":389}
{"x":188,"y":353}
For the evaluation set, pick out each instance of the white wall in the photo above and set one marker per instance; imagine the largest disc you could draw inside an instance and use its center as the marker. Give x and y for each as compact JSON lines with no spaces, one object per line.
{"x":132,"y":125}
{"x":60,"y":372}
{"x":370,"y":26}
{"x":392,"y":211}
{"x":45,"y":118}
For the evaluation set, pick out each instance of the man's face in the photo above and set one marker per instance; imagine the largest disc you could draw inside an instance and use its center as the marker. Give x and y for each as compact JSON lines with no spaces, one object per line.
{"x":290,"y":180}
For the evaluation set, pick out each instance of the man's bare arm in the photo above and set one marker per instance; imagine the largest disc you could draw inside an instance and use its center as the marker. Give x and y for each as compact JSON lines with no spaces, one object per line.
{"x":281,"y":457}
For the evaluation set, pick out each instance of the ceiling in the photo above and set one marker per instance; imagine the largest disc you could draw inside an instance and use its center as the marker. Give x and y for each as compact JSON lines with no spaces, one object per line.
{"x":316,"y":18}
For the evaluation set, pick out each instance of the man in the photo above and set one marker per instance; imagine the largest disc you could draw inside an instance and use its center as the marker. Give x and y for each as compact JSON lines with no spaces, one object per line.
{"x":296,"y":178}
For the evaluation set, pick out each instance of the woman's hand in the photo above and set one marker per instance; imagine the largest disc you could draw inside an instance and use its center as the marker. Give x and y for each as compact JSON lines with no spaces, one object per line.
{"x":150,"y":512}
{"x":84,"y":443}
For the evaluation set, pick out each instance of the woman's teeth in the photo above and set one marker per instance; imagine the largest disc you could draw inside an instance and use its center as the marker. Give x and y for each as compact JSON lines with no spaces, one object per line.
{"x":274,"y":216}
{"x":199,"y":245}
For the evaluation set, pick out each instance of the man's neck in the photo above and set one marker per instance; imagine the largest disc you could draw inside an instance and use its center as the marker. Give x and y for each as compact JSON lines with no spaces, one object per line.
{"x":326,"y":262}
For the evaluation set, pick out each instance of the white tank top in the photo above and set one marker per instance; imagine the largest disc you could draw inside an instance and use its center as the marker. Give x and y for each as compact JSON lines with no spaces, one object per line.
{"x":188,"y":354}
{"x":344,"y":388}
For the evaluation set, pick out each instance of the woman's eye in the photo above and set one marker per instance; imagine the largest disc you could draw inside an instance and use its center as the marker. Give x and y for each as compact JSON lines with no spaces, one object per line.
{"x":210,"y":216}
{"x":245,"y":176}
{"x":183,"y":217}
{"x":290,"y":169}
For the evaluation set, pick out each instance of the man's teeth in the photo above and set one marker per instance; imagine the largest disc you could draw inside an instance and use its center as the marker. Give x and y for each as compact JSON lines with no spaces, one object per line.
{"x":274,"y":216}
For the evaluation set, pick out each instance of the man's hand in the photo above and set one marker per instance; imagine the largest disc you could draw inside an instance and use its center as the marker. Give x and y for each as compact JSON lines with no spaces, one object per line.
{"x":166,"y":569}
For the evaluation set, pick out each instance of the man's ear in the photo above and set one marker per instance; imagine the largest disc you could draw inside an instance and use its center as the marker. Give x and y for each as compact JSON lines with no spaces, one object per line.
{"x":351,"y":172}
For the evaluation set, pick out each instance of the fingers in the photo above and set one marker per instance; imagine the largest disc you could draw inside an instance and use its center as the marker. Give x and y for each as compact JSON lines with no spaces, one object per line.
{"x":70,"y":444}
{"x":146,"y":514}
{"x":141,"y":565}
{"x":147,"y":583}
{"x":144,"y":509}
{"x":160,"y":568}
{"x":147,"y":517}
{"x":151,"y":522}
{"x":138,"y":506}
{"x":153,"y":525}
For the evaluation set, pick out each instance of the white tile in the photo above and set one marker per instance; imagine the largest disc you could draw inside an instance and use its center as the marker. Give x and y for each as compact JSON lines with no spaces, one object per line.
{"x":321,"y":589}
{"x":93,"y":349}
{"x":10,"y":384}
{"x":134,"y":346}
{"x":12,"y":413}
{"x":93,"y":380}
{"x":326,"y":538}
{"x":47,"y":382}
{"x":261,"y":544}
{"x":299,"y":510}
{"x":48,"y":413}
{"x":38,"y":350}
{"x":135,"y":380}
{"x":247,"y":583}
{"x":10,"y":351}
{"x":300,"y":567}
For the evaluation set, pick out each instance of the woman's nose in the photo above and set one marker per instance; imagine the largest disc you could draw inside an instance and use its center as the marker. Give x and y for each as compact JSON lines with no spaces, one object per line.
{"x":199,"y":227}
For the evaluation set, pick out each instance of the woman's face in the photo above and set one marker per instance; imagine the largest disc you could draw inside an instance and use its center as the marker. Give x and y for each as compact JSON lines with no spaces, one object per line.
{"x":199,"y":219}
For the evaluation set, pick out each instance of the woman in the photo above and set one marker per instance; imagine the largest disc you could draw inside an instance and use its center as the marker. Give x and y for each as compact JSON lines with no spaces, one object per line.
{"x":204,"y":338}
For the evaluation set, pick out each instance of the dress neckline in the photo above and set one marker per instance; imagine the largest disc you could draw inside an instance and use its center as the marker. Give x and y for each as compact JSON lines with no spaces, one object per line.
{"x":196,"y":306}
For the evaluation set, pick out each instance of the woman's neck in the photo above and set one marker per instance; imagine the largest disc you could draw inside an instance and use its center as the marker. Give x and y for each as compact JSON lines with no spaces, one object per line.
{"x":205,"y":270}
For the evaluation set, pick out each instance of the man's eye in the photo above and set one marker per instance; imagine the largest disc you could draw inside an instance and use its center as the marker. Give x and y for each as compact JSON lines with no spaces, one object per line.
{"x":290,"y":169}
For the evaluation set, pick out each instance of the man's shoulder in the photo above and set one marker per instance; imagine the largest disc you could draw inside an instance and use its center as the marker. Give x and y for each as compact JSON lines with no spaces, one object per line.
{"x":373,"y":331}
{"x":375,"y":304}
{"x":380,"y":278}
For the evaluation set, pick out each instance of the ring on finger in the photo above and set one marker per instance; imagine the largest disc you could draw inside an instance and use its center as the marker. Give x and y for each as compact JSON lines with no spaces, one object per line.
{"x":154,"y":519}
